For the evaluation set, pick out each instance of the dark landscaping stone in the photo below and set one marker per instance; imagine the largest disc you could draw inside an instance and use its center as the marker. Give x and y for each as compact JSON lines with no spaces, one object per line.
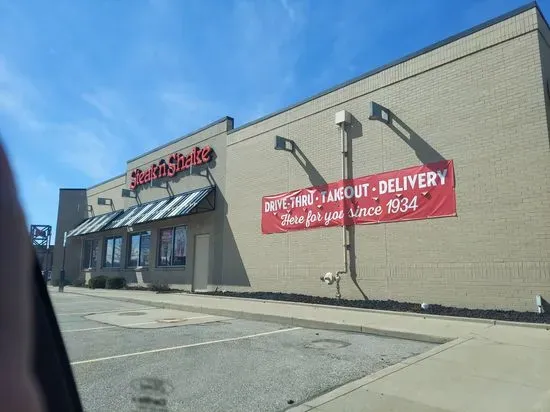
{"x":392,"y":305}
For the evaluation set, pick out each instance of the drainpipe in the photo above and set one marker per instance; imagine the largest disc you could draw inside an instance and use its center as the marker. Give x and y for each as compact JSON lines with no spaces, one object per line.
{"x":341,"y":119}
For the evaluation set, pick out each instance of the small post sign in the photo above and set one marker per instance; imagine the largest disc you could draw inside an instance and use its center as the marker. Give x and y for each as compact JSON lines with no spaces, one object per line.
{"x":62,"y":271}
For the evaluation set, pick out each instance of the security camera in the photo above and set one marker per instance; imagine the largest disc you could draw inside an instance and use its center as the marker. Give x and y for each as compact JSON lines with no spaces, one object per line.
{"x":329,"y":278}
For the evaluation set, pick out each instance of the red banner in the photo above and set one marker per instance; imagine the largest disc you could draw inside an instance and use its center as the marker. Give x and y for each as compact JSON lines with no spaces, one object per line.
{"x":420,"y":192}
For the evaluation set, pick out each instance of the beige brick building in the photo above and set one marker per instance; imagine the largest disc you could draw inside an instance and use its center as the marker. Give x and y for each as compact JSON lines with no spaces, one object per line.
{"x":480,"y":99}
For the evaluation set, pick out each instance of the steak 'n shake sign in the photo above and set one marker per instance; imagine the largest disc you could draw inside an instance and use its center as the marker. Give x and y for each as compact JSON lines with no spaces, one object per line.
{"x":174,"y":164}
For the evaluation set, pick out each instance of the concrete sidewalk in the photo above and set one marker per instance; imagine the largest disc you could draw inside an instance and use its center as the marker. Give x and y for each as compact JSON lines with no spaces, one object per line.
{"x":482,"y":366}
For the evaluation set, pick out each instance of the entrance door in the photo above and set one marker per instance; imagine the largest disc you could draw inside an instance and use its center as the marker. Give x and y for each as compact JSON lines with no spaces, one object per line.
{"x":202,"y":260}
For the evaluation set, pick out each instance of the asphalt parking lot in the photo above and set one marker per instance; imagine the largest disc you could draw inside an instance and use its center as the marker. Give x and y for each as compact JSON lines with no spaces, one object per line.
{"x":129,"y":357}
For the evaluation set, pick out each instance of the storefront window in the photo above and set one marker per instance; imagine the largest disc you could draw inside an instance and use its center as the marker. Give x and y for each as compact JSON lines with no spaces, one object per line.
{"x":113,"y":252}
{"x":140,"y":245}
{"x":173,"y":246}
{"x":89,"y":254}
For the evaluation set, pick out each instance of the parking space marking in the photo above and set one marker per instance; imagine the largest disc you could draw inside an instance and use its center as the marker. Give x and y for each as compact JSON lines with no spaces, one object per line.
{"x":85,"y":329}
{"x":132,"y":324}
{"x":197,"y":317}
{"x":109,"y":327}
{"x":91,"y":312}
{"x":192,"y":345}
{"x":75,"y":302}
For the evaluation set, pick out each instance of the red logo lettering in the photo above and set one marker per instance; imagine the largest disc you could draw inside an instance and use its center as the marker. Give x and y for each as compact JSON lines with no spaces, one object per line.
{"x":133,"y":183}
{"x":172,"y":165}
{"x":176,"y":163}
{"x":205,"y":154}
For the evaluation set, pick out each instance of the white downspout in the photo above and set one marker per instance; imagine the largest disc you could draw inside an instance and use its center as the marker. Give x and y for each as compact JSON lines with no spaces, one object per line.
{"x":341,"y":119}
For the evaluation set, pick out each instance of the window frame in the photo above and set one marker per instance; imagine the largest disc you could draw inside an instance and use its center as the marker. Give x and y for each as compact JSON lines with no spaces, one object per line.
{"x":129,"y":253}
{"x":104,"y":260}
{"x":173,"y":229}
{"x":88,"y":267}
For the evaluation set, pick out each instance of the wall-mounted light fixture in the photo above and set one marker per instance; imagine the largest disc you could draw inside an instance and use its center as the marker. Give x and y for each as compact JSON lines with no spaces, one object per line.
{"x":201,"y":170}
{"x":104,"y":201}
{"x":342,"y":117}
{"x":128,"y":193}
{"x":379,"y":112}
{"x":282,"y":143}
{"x":163,"y":185}
{"x":159,"y":183}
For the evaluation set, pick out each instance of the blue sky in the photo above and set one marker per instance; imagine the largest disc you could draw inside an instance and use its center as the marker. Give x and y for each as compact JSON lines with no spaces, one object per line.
{"x":86,"y":85}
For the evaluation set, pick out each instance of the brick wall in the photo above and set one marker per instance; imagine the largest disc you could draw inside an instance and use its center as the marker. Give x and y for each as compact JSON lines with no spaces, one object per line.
{"x":212,"y":223}
{"x":110,"y":189}
{"x":479,"y":101}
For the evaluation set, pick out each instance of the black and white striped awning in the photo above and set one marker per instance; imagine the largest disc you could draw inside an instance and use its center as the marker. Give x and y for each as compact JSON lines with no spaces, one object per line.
{"x":179,"y":205}
{"x":94,"y":224}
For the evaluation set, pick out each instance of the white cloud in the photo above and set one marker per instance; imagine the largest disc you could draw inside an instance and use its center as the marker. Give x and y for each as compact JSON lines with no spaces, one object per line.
{"x":15,"y":93}
{"x":268,"y":42}
{"x":45,"y":186}
{"x":37,"y":191}
{"x":41,"y":190}
{"x":91,"y":153}
{"x":265,"y":40}
{"x":290,"y":10}
{"x":88,"y":147}
{"x":102,"y":101}
{"x":184,"y":109}
{"x":183,"y":101}
{"x":115,"y":108}
{"x":83,"y":128}
{"x":123,"y":117}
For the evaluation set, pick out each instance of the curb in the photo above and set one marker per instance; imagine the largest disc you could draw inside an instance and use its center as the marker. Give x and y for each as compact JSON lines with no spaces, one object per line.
{"x":288,"y":320}
{"x":361,"y":382}
{"x":544,"y":326}
{"x":386,"y":312}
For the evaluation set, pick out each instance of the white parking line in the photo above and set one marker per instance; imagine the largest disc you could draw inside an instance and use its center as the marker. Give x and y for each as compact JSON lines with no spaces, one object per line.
{"x":85,"y":329}
{"x":75,"y":302}
{"x":196,"y":317}
{"x":192,"y":345}
{"x":133,"y":324}
{"x":92,"y":312}
{"x":108,"y":327}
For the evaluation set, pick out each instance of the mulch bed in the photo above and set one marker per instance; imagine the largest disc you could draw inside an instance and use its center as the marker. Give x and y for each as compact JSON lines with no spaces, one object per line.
{"x":156,"y":289}
{"x":392,"y":305}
